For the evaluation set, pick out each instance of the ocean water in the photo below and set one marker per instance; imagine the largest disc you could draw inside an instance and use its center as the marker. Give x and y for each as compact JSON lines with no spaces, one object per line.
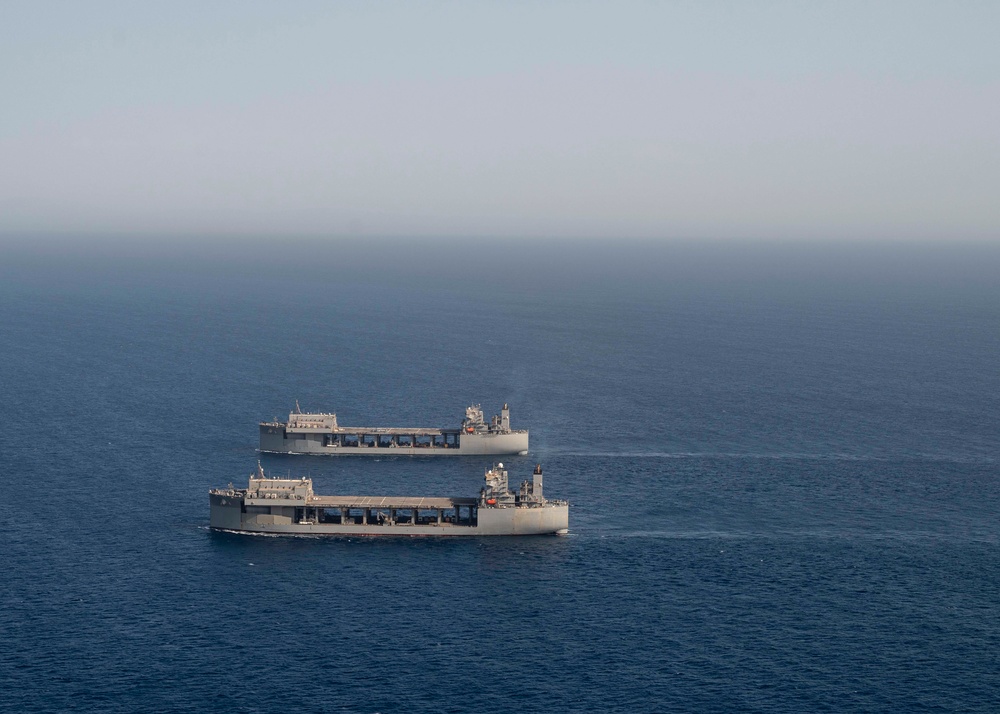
{"x":782,"y":464}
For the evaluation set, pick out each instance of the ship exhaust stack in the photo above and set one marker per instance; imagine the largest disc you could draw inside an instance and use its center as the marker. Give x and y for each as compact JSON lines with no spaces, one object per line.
{"x":505,"y":418}
{"x":536,"y":483}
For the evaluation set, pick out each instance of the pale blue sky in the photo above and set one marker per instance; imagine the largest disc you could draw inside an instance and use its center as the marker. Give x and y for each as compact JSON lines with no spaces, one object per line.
{"x":788,"y":120}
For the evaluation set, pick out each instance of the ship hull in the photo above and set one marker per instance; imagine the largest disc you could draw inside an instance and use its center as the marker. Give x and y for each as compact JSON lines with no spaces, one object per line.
{"x":277,"y":440}
{"x":228,"y":514}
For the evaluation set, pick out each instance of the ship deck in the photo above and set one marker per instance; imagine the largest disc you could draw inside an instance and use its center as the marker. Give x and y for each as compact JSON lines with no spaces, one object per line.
{"x":357,"y":430}
{"x":396,"y":502}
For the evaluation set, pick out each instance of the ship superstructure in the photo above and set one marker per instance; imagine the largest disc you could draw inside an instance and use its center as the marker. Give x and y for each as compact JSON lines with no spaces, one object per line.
{"x":319,"y":433}
{"x":289,"y":506}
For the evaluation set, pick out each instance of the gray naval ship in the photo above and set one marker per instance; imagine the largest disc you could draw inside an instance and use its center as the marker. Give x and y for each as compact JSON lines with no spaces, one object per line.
{"x":289,"y":506}
{"x":320,"y":434}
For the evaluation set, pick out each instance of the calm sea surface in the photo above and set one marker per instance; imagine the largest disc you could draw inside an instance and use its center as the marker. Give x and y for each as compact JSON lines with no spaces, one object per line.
{"x":782,"y":465}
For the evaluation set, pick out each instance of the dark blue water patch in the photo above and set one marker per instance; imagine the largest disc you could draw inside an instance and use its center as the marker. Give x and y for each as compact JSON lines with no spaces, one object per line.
{"x":718,"y":622}
{"x":782,"y":473}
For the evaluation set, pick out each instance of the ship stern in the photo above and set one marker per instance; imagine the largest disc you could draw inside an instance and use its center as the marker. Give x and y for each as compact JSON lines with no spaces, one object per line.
{"x":547,"y":520}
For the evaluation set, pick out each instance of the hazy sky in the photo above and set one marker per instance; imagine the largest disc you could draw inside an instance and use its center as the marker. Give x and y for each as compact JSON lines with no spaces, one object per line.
{"x":666,"y":120}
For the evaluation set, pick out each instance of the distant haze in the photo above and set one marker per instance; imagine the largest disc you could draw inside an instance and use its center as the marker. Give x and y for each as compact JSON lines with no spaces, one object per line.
{"x":681,"y":120}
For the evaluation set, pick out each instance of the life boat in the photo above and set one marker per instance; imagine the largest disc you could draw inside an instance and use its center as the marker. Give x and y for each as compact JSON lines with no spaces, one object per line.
{"x":469,"y":430}
{"x":491,"y":502}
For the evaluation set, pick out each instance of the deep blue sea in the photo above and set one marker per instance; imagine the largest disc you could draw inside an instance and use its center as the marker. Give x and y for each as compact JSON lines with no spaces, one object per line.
{"x":782,"y":463}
